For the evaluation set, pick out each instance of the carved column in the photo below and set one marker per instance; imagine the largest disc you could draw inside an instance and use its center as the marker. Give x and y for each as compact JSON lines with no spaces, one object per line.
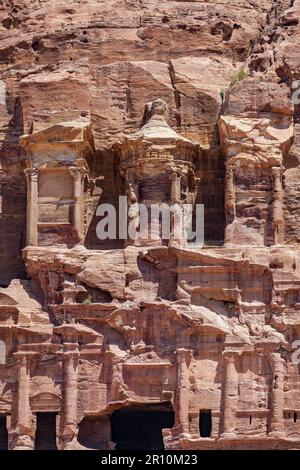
{"x":70,"y":384}
{"x":230,"y":396}
{"x":277,"y":396}
{"x":23,"y":407}
{"x":132,"y":193}
{"x":24,"y":437}
{"x":77,"y":174}
{"x":118,"y":389}
{"x":229,"y":195}
{"x":179,"y":215}
{"x":32,"y":206}
{"x":183,"y":357}
{"x":230,"y":210}
{"x":277,"y":211}
{"x":175,"y":187}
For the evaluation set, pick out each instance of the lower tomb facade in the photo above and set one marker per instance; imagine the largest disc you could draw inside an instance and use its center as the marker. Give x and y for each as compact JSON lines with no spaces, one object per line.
{"x":151,"y":344}
{"x":158,"y":366}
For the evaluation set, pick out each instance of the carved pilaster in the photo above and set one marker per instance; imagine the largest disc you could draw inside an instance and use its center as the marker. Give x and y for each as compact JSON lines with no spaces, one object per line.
{"x":118,"y":389}
{"x":183,"y":357}
{"x":277,"y":211}
{"x":230,"y":396}
{"x":32,"y":206}
{"x":175,"y":187}
{"x":229,"y":195}
{"x":277,"y":396}
{"x":78,"y":174}
{"x":23,"y":438}
{"x":132,"y":193}
{"x":230,"y":202}
{"x":70,"y":389}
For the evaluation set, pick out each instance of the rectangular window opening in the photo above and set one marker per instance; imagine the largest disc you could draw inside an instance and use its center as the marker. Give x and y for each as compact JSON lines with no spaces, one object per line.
{"x":205,"y":423}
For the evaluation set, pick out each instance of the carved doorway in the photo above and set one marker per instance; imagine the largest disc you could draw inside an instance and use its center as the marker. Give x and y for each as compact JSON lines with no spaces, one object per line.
{"x":45,"y":435}
{"x":139,"y":427}
{"x":3,"y":433}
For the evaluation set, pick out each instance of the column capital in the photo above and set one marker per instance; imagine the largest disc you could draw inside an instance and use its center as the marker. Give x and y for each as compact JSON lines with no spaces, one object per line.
{"x":183,"y":353}
{"x":24,"y":356}
{"x":277,"y":359}
{"x":175,"y":173}
{"x":277,"y":171}
{"x":230,"y":356}
{"x":31,"y":174}
{"x":230,"y":171}
{"x":77,"y":172}
{"x":70,"y":349}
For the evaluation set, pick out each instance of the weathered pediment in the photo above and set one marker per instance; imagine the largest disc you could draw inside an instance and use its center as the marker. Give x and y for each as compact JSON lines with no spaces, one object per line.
{"x":45,"y":401}
{"x":60,"y":144}
{"x":7,"y":300}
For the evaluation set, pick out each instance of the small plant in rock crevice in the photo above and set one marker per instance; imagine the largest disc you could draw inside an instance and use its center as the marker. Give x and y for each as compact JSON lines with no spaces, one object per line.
{"x":237,"y":77}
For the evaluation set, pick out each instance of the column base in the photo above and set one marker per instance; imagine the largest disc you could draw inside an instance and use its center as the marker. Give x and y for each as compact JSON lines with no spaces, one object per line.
{"x":184,"y":435}
{"x":68,"y":437}
{"x":23,"y":442}
{"x":277,"y":434}
{"x":72,"y":445}
{"x":22,"y":448}
{"x":228,"y":435}
{"x":181,"y":429}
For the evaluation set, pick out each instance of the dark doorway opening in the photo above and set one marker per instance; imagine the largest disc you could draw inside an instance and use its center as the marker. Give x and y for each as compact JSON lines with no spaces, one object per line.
{"x":3,"y":433}
{"x":205,"y":423}
{"x":45,"y":436}
{"x":140,"y":427}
